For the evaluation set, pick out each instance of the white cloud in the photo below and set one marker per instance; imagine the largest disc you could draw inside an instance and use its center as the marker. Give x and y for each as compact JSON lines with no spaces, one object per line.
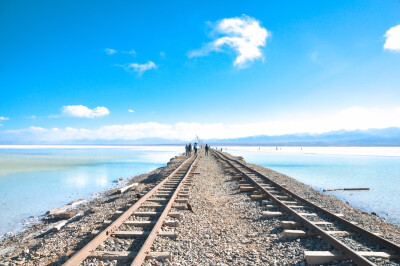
{"x":83,"y":111}
{"x":2,"y":118}
{"x":139,"y":68}
{"x":110,"y":51}
{"x":243,"y":34}
{"x":131,"y":111}
{"x":348,"y":119}
{"x":393,"y":39}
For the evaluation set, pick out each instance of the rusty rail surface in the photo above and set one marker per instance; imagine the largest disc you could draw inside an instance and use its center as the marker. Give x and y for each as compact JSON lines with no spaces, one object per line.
{"x":349,"y":252}
{"x":90,"y":248}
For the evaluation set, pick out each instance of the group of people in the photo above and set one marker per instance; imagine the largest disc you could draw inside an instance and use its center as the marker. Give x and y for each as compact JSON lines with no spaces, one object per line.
{"x":188,"y":149}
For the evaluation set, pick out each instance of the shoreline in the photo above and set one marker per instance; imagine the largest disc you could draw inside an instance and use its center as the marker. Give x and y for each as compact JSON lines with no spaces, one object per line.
{"x":56,"y":247}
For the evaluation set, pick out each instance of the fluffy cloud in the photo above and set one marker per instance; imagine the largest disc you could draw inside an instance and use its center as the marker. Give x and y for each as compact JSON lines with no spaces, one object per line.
{"x":243,"y":34}
{"x":349,"y":119}
{"x":393,"y":39}
{"x":83,"y":111}
{"x":139,"y":68}
{"x":2,"y":118}
{"x":110,"y":51}
{"x":131,"y":111}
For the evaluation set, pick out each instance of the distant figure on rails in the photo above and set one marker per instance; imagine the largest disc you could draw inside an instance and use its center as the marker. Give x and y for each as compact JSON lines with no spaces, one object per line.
{"x":190,"y":149}
{"x":221,"y":149}
{"x":187,"y":149}
{"x":195,"y":148}
{"x":206,"y":148}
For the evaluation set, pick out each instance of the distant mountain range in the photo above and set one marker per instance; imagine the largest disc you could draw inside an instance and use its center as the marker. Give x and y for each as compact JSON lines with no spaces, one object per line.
{"x":370,"y":137}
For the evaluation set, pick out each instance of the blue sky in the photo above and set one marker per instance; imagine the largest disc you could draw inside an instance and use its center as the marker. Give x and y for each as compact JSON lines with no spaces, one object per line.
{"x":307,"y":67}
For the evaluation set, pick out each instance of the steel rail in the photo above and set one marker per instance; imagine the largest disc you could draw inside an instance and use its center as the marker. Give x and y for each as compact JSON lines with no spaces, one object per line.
{"x":349,"y":252}
{"x":382,"y":241}
{"x":145,"y":249}
{"x":90,"y":247}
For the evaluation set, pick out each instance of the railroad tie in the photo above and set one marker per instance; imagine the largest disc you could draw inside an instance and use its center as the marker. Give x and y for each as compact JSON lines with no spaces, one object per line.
{"x":258,"y":197}
{"x":324,"y":257}
{"x":294,"y":225}
{"x":171,"y":234}
{"x":126,"y":255}
{"x":268,"y":214}
{"x":246,"y":188}
{"x":266,"y":202}
{"x":289,"y":233}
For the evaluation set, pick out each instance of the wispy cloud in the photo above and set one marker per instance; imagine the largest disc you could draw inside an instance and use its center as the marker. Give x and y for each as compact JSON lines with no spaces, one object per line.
{"x":131,"y":111}
{"x":2,"y":118}
{"x":84,"y":112}
{"x":243,"y":34}
{"x":392,"y":39}
{"x":139,"y":68}
{"x":131,"y":52}
{"x":348,"y":119}
{"x":110,"y":51}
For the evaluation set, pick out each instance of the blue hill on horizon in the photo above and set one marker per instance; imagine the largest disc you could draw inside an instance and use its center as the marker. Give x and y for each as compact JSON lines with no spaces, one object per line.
{"x":369,"y":137}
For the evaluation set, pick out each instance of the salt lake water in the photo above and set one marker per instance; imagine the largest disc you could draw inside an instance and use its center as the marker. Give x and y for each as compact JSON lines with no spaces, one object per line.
{"x":377,"y":168}
{"x":35,"y":179}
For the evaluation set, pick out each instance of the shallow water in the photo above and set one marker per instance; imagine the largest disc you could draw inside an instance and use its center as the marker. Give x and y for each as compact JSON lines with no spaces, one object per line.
{"x":377,"y":168}
{"x":36,"y":179}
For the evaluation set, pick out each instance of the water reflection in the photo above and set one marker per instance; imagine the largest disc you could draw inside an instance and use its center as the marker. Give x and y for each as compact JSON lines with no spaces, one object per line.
{"x":79,"y":181}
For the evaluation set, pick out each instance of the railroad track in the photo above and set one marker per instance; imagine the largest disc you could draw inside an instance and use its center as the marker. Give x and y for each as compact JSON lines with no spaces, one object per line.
{"x":139,"y":225}
{"x":350,"y":240}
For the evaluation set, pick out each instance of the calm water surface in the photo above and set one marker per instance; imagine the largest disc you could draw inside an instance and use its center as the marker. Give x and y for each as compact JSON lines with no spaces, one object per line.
{"x":34,"y":180}
{"x":331,"y":167}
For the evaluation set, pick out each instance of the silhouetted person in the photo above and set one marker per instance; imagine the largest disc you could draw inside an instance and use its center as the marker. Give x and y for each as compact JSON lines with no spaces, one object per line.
{"x":206,"y":148}
{"x":190,"y":149}
{"x":187,"y":149}
{"x":195,"y":148}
